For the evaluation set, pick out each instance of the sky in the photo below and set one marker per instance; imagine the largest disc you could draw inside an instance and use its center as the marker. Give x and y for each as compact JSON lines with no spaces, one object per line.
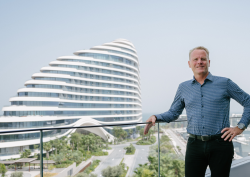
{"x":34,"y":33}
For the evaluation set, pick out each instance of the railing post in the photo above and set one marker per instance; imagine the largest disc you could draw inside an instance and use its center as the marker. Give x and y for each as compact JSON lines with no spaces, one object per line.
{"x":159,"y":174}
{"x":41,"y":153}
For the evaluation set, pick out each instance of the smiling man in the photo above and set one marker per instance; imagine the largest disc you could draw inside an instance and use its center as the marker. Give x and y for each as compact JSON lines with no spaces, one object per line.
{"x":206,"y":99}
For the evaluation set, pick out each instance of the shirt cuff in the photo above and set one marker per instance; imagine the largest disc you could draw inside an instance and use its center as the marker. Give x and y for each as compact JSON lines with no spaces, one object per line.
{"x":158,"y":117}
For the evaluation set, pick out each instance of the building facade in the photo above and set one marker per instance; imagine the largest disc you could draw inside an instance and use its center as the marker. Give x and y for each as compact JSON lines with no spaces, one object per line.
{"x":96,"y":86}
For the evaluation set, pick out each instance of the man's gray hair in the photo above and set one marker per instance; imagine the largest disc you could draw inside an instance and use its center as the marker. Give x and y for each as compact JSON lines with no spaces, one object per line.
{"x":199,"y":48}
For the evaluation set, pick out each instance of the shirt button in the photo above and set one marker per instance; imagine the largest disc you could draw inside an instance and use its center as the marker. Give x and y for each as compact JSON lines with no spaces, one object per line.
{"x":201,"y":95}
{"x":203,"y":127}
{"x":202,"y":116}
{"x":201,"y":105}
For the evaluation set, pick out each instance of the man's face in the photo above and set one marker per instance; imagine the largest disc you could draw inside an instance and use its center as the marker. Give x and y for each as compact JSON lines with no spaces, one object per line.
{"x":198,"y":62}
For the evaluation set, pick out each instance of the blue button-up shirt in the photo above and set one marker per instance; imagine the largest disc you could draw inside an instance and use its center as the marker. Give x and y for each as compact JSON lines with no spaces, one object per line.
{"x":207,"y":105}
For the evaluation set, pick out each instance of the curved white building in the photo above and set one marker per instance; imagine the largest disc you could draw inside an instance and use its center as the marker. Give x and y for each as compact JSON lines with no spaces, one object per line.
{"x":96,"y":86}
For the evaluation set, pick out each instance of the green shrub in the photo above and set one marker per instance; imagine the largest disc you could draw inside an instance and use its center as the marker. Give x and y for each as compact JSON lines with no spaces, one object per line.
{"x":100,"y":153}
{"x":62,"y":165}
{"x":85,"y":175}
{"x":11,"y":166}
{"x":92,"y":166}
{"x":51,"y":167}
{"x":68,"y":162}
{"x":3,"y":169}
{"x":130,"y":149}
{"x":152,"y":140}
{"x":112,"y":171}
{"x":17,"y":174}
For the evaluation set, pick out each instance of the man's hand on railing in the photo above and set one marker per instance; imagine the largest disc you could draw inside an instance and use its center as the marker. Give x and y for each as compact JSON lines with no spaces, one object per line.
{"x":151,"y":119}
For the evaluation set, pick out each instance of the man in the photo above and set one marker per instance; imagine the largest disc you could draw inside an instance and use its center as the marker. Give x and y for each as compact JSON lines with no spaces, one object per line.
{"x":206,"y":99}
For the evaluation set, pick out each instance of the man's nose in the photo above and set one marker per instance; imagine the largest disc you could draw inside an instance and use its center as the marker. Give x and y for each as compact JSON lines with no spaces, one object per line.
{"x":199,"y":60}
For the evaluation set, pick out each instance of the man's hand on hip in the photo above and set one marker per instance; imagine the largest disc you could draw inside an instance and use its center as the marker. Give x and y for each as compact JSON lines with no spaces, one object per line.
{"x":231,"y":133}
{"x":148,"y":126}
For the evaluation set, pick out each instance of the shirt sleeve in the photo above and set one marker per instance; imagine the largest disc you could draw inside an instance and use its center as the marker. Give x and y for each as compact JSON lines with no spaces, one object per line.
{"x":241,"y":97}
{"x":175,"y":109}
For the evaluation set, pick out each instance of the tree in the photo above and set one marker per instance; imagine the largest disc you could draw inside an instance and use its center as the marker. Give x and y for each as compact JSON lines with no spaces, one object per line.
{"x":120,"y":133}
{"x":89,"y":142}
{"x":75,"y":139}
{"x":130,"y":132}
{"x":178,"y":147}
{"x":147,"y":173}
{"x":140,"y":171}
{"x":58,"y":158}
{"x":56,"y":144}
{"x":47,"y":147}
{"x":98,"y":141}
{"x":107,"y":141}
{"x":141,"y":133}
{"x":3,"y":169}
{"x":26,"y":153}
{"x":115,"y":140}
{"x":150,"y":133}
{"x":77,"y":156}
{"x":138,"y":128}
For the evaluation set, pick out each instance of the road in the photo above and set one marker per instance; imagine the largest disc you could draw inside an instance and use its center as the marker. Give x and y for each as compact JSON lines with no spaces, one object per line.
{"x":113,"y":159}
{"x":140,"y":157}
{"x":176,"y":140}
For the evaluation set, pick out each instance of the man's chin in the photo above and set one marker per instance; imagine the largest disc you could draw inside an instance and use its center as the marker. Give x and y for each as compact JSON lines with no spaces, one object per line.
{"x":201,"y":72}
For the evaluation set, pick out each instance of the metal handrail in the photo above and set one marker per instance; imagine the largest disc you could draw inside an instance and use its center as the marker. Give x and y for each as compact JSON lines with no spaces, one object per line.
{"x":91,"y":126}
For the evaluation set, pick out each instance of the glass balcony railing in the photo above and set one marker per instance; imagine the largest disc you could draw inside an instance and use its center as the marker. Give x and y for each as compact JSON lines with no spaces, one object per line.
{"x":89,"y":151}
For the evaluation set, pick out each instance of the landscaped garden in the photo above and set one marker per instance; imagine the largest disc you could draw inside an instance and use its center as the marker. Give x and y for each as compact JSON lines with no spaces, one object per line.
{"x":80,"y":148}
{"x":171,"y":164}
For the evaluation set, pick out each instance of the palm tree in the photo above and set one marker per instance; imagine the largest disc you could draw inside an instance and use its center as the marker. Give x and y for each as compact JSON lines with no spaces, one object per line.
{"x":138,"y":128}
{"x":88,"y":141}
{"x":47,"y":147}
{"x":107,"y":141}
{"x":75,"y":139}
{"x":56,"y":144}
{"x":141,"y":133}
{"x":130,"y":132}
{"x":150,"y":132}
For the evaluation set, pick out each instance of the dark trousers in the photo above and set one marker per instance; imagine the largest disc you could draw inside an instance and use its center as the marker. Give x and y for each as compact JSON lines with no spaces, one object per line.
{"x":217,"y":154}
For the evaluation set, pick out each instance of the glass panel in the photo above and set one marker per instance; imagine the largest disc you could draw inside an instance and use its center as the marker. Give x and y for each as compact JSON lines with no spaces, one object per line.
{"x":173,"y":139}
{"x":124,"y":149}
{"x":241,"y":142}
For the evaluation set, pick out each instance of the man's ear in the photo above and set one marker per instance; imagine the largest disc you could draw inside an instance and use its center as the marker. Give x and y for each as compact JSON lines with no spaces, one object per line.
{"x":208,"y":63}
{"x":189,"y":64}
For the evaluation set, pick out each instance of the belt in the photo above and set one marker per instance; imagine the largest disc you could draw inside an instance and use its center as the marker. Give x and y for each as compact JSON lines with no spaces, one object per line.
{"x":206,"y":137}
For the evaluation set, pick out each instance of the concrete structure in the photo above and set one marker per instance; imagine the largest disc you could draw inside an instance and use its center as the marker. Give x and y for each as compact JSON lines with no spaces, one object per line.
{"x":96,"y":86}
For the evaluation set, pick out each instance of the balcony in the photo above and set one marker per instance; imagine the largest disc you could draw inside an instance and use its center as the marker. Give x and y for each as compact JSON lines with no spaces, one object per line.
{"x":127,"y":153}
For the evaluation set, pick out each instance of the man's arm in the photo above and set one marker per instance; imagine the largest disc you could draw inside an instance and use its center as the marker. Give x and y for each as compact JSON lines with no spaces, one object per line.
{"x":235,"y":92}
{"x":173,"y":113}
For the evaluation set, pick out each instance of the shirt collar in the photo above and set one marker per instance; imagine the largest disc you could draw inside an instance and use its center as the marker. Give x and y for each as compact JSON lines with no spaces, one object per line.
{"x":209,"y":77}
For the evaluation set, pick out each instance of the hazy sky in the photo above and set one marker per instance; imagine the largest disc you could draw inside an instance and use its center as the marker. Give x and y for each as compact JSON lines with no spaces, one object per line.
{"x":34,"y":33}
